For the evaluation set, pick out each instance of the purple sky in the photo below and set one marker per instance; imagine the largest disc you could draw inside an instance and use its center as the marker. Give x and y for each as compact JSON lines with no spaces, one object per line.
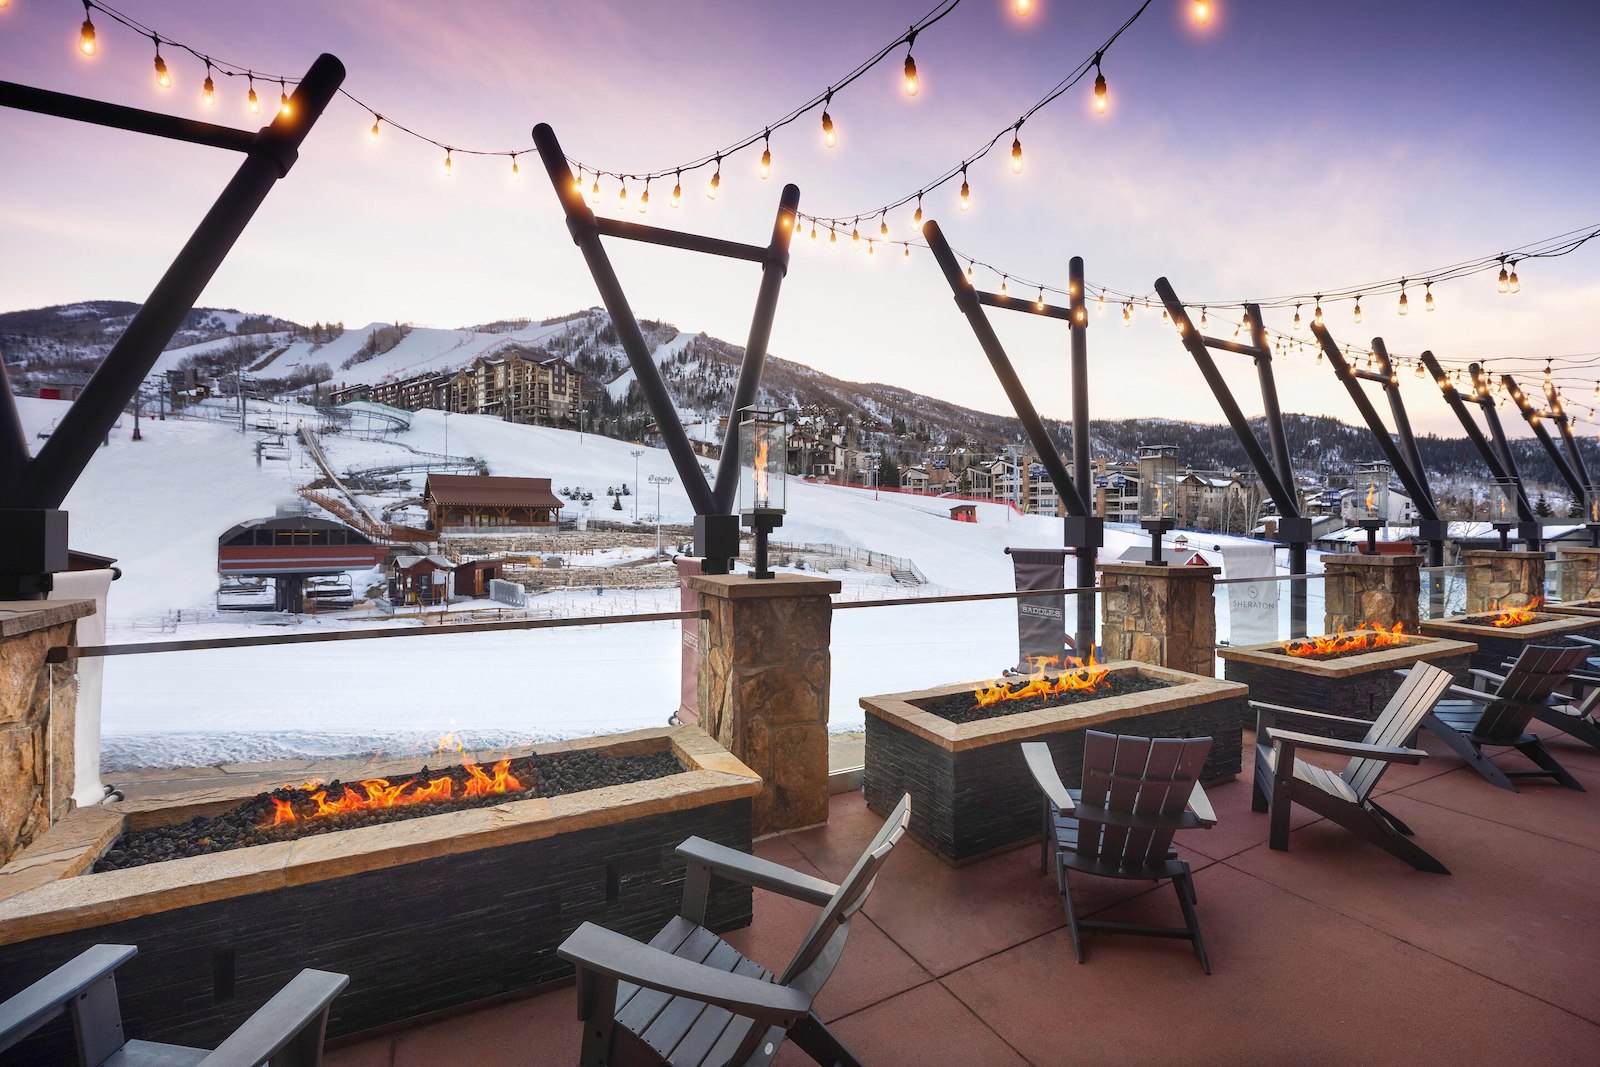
{"x":1290,"y":146}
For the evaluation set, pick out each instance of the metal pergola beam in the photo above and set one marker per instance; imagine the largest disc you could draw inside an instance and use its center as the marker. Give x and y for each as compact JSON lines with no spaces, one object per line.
{"x":1563,"y":423}
{"x":136,"y":120}
{"x":716,"y":527}
{"x":1536,"y":422}
{"x":1402,"y":426}
{"x":1491,"y":458}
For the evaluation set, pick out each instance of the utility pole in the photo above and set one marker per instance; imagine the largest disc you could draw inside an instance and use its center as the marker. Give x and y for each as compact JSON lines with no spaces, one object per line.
{"x":658,"y":480}
{"x":876,"y":458}
{"x":636,"y":453}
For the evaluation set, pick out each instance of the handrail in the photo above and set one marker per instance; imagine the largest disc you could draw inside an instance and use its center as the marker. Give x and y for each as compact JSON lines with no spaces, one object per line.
{"x":63,"y":654}
{"x":967,"y":598}
{"x":1271,"y":578}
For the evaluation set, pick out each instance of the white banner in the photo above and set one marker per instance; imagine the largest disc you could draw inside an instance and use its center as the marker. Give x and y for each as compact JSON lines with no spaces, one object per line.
{"x":87,"y":585}
{"x":1252,"y":606}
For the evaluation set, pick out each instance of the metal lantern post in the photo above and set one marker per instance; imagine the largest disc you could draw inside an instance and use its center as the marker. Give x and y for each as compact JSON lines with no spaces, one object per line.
{"x":1372,"y":501}
{"x":763,"y":466}
{"x":636,"y":453}
{"x":1503,"y":508}
{"x":1158,"y":497}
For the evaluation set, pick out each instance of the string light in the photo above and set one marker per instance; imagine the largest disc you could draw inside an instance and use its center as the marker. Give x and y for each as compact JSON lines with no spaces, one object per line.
{"x":1427,"y":295}
{"x":833,"y":236}
{"x":908,"y":250}
{"x":253,"y":101}
{"x":1297,"y":316}
{"x":677,"y":194}
{"x":883,"y":224}
{"x":86,"y":41}
{"x":516,"y":171}
{"x":1504,"y":281}
{"x":1016,"y":150}
{"x":284,"y":107}
{"x":594,"y":191}
{"x":448,"y":166}
{"x":1358,"y":309}
{"x":966,"y":191}
{"x":1203,"y":319}
{"x":208,"y":93}
{"x":1023,"y":7}
{"x":913,"y":86}
{"x":1202,"y":12}
{"x":855,"y":236}
{"x":916,"y":219}
{"x":1127,"y":315}
{"x":377,"y":118}
{"x":1038,"y":305}
{"x":1515,"y":285}
{"x":622,"y":192}
{"x":1405,"y":309}
{"x":716,"y":180}
{"x":164,"y":79}
{"x":829,"y":138}
{"x":1100,"y":102}
{"x":970,"y":282}
{"x":1003,"y":287}
{"x":1317,"y":314}
{"x":813,"y":231}
{"x":766,"y":158}
{"x":644,"y":198}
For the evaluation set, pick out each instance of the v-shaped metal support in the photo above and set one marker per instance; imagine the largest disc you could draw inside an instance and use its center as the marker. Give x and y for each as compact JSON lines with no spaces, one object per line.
{"x":716,"y":527}
{"x":33,"y":529}
{"x":1083,"y":532}
{"x":1277,"y":475}
{"x":1496,"y":455}
{"x":1571,"y":466}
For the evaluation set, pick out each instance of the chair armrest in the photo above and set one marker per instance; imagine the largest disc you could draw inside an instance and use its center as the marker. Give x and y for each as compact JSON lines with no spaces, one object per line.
{"x":1043,"y":769}
{"x":1183,"y":820}
{"x":1497,"y":679}
{"x":298,"y":1006}
{"x":1591,"y":642}
{"x":751,"y":870}
{"x":597,"y":949}
{"x":22,"y":1014}
{"x":1472,"y":694}
{"x":1274,"y":710}
{"x":1387,"y":753}
{"x":1200,"y":807}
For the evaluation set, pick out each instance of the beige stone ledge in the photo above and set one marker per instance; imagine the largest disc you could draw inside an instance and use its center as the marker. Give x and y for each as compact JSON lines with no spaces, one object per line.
{"x":743,"y":587}
{"x":1146,"y":570}
{"x":1413,"y":650}
{"x":18,"y":617}
{"x":1547,"y":626}
{"x":1183,"y":691}
{"x":29,"y":909}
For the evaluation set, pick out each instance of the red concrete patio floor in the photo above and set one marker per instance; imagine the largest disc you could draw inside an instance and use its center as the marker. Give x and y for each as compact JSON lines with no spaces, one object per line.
{"x":1331,"y":953}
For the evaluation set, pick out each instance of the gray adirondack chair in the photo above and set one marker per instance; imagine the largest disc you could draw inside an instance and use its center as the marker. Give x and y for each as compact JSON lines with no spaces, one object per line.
{"x":286,"y":1031}
{"x":1499,"y":717}
{"x":690,"y":998}
{"x":1283,"y":779}
{"x":1577,"y":711}
{"x":1137,"y":792}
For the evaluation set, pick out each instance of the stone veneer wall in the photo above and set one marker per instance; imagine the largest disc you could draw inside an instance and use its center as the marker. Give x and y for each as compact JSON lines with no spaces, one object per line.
{"x":1580,"y":574}
{"x":37,"y":758}
{"x":763,"y":687}
{"x":1498,"y":580}
{"x":1166,"y":616}
{"x":1380,"y":589}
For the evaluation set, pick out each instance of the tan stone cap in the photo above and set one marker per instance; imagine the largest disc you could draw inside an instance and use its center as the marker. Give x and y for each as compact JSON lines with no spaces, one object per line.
{"x":1183,"y":691}
{"x":40,"y":895}
{"x":1393,"y":657}
{"x":19,"y":617}
{"x":742,"y":586}
{"x":1150,"y":571}
{"x":1495,"y":553}
{"x":1457,"y":626}
{"x":1381,"y":559}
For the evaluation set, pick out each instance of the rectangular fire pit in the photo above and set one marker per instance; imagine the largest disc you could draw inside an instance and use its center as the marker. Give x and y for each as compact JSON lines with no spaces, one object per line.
{"x":423,"y":914}
{"x":1586,"y":608}
{"x":1358,"y":684}
{"x":1496,"y":644}
{"x":970,"y":791}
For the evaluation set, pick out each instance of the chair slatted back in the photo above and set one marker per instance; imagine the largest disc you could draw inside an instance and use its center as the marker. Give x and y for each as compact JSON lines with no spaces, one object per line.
{"x":1535,"y":675}
{"x":1395,"y":724}
{"x":1140,"y":776}
{"x":852,"y":894}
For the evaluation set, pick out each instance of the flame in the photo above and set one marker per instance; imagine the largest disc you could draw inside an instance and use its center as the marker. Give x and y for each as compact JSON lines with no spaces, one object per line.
{"x":1516,"y":616}
{"x":1372,"y":497}
{"x":1594,"y":510}
{"x":1371,"y":635}
{"x":377,"y":793}
{"x":1076,"y":675}
{"x":760,"y":463}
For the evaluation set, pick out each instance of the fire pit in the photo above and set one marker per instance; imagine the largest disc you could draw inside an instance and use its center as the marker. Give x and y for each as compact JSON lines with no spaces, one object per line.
{"x":1502,"y":634}
{"x":956,"y":748}
{"x":427,"y":904}
{"x":1342,"y":674}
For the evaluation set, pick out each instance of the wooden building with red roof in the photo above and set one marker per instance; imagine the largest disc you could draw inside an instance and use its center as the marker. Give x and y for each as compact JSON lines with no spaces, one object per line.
{"x":484,"y":504}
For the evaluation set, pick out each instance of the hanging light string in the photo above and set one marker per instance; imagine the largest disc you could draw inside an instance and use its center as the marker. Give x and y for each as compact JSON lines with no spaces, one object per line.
{"x":1012,"y":130}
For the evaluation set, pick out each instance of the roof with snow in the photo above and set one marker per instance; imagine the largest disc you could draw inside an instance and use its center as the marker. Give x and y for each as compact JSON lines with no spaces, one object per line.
{"x":486,"y":491}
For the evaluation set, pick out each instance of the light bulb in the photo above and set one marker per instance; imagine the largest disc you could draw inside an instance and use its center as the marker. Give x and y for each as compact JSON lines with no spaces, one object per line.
{"x":1427,"y":297}
{"x":1038,"y":305}
{"x":1405,"y":304}
{"x":872,"y":246}
{"x":1358,"y":310}
{"x":716,"y":181}
{"x":1127,"y":314}
{"x":1317,"y":314}
{"x":1201,"y":12}
{"x":1297,"y":316}
{"x":833,"y":235}
{"x":516,"y":171}
{"x":855,"y":235}
{"x":208,"y":92}
{"x":1003,"y":285}
{"x":916,"y":219}
{"x":966,"y":191}
{"x":1203,"y":319}
{"x":813,"y":229}
{"x":449,"y":167}
{"x":969,"y":282}
{"x":1420,"y":371}
{"x":594,"y":191}
{"x":1319,"y":357}
{"x":1505,"y":282}
{"x":1016,"y":155}
{"x":1100,"y":102}
{"x":677,"y":188}
{"x":622,"y":191}
{"x":883,"y":224}
{"x":284,"y":107}
{"x":253,"y":101}
{"x":164,"y":79}
{"x":644,"y":198}
{"x":375,"y":129}
{"x":86,"y":43}
{"x":1516,"y":286}
{"x":1023,"y":7}
{"x":912,"y":85}
{"x":908,"y":251}
{"x":829,"y":137}
{"x":766,"y":161}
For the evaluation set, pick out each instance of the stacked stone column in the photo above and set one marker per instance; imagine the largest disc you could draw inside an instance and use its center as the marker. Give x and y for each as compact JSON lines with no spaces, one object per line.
{"x":1497,"y":580}
{"x":38,"y":706}
{"x":1580,"y":574}
{"x":1165,"y":615}
{"x":1379,"y":589}
{"x":763,"y":687}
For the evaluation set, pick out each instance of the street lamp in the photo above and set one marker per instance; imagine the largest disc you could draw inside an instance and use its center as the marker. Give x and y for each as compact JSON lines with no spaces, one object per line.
{"x":1158,"y":494}
{"x":1372,"y":481}
{"x":658,"y":480}
{"x":1503,"y":509}
{"x":763,"y":444}
{"x":636,"y":453}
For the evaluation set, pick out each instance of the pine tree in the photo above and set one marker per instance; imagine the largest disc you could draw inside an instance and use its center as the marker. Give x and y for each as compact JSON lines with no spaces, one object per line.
{"x":1542,"y":508}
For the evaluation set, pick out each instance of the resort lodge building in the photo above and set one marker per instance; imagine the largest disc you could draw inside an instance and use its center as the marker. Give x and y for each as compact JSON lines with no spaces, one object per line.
{"x":516,"y":387}
{"x":482,"y":504}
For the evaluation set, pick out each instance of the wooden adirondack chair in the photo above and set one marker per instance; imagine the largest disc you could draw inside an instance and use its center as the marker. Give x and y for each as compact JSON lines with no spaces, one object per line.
{"x":285,"y":1031}
{"x":1499,"y":717}
{"x":1137,"y":791}
{"x":690,"y":998}
{"x":1283,"y":779}
{"x":1576,"y":713}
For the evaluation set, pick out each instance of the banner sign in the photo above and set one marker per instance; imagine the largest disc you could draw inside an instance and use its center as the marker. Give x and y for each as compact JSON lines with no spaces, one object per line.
{"x":1252,"y":606}
{"x":689,"y":676}
{"x":1041,"y":620}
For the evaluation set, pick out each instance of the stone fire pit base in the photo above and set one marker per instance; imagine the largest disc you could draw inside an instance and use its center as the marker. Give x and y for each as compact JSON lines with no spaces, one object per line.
{"x":970,"y":790}
{"x":1498,"y":644}
{"x":1355,"y":686}
{"x":424,"y":915}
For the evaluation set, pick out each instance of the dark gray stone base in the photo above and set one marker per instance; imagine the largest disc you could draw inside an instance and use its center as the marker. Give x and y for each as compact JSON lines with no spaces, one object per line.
{"x":416,"y":938}
{"x":969,"y":803}
{"x":1358,"y":696}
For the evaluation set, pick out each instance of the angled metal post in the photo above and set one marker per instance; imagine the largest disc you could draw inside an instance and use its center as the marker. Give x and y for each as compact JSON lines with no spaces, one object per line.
{"x":13,"y":442}
{"x":725,"y":489}
{"x":53,"y":471}
{"x":1497,"y":436}
{"x":1269,"y":398}
{"x":1563,"y":423}
{"x":1402,"y":425}
{"x":1084,"y":542}
{"x":1453,"y":398}
{"x":1536,"y":422}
